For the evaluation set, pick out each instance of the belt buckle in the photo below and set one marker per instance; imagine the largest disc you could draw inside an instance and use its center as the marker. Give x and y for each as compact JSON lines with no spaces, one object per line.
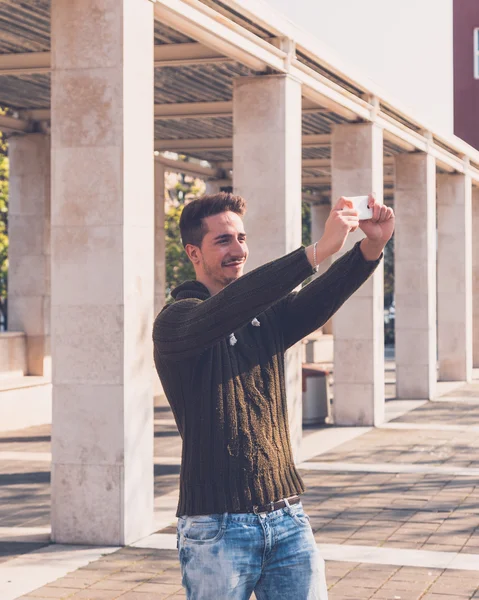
{"x":258,"y":512}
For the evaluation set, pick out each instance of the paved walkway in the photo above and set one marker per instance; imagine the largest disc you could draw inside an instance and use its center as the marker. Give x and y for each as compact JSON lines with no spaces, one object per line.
{"x":395,"y":512}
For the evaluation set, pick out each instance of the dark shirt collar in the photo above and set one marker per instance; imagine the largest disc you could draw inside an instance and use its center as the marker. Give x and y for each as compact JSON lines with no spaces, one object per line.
{"x":191,"y":289}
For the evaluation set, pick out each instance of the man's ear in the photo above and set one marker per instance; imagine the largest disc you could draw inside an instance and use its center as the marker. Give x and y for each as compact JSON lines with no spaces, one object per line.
{"x":193,"y":253}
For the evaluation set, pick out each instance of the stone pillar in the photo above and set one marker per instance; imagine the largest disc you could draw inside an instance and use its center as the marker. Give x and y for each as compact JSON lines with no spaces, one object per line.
{"x":357,"y":169}
{"x":475,"y":277}
{"x":319,"y":215}
{"x":454,"y":277}
{"x":415,"y":275}
{"x":160,"y":257}
{"x":213,"y":186}
{"x":102,"y":270}
{"x":29,"y":247}
{"x":267,"y":173}
{"x":160,"y":238}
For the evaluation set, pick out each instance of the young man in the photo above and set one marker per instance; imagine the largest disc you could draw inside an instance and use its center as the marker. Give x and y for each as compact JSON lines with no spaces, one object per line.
{"x":219,"y":351}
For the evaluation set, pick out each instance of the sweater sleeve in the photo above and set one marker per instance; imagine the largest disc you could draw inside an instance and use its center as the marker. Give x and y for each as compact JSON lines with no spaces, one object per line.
{"x":301,"y":313}
{"x":188,"y":326}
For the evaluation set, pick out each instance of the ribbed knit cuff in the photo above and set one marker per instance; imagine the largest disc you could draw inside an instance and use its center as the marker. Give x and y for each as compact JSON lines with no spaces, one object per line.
{"x":357,"y":247}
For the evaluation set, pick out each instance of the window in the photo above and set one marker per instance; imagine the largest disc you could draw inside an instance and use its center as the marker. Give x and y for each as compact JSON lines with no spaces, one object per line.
{"x":476,"y":53}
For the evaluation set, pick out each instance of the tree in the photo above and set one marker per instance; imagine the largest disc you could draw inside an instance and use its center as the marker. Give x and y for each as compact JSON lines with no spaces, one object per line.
{"x":4,"y":172}
{"x":389,"y":325}
{"x":180,"y":190}
{"x":306,"y":223}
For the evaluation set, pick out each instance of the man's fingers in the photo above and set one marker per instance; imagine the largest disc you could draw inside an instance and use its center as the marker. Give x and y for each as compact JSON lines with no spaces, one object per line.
{"x":352,"y":222}
{"x":382,"y":213}
{"x":343,"y":203}
{"x":349,"y":212}
{"x":376,"y":212}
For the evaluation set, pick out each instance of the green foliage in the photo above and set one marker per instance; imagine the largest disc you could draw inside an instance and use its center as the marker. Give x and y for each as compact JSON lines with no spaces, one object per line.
{"x":389,"y":273}
{"x":4,"y":173}
{"x":178,"y":266}
{"x":306,"y":223}
{"x":389,"y":325}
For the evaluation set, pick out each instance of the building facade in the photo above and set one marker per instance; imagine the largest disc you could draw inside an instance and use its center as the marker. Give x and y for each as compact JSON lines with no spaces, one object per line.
{"x":466,"y":71}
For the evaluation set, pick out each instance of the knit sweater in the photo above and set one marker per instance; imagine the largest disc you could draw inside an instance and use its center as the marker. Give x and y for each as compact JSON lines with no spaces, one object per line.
{"x":227,"y":393}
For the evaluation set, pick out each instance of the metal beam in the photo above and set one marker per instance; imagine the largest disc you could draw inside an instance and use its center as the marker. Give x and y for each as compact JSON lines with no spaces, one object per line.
{"x":177,"y":111}
{"x":25,"y":63}
{"x":193,"y":110}
{"x":174,"y":55}
{"x":166,"y":55}
{"x":184,"y":110}
{"x":309,"y":141}
{"x":198,"y":21}
{"x":327,"y":180}
{"x":316,"y":140}
{"x":190,"y":168}
{"x":12,"y":125}
{"x":320,"y":90}
{"x":194,"y":144}
{"x":310,"y":163}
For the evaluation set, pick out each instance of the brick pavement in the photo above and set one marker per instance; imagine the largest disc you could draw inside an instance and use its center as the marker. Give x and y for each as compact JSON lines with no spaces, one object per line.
{"x":427,"y":511}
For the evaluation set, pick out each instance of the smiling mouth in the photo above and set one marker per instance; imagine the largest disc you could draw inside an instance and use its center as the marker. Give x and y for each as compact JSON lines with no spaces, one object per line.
{"x":234,"y":264}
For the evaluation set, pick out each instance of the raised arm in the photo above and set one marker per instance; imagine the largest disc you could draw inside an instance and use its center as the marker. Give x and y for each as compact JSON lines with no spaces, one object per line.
{"x":303,"y":312}
{"x":188,"y":326}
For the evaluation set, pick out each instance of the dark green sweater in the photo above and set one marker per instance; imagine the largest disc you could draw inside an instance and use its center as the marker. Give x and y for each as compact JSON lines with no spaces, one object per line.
{"x":228,"y":398}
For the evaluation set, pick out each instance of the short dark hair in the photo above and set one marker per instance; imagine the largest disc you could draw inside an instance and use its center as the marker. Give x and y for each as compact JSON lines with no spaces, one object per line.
{"x":192,"y":227}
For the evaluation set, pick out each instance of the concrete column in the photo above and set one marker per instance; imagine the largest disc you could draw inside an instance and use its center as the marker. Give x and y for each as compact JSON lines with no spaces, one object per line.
{"x":267,"y":173}
{"x":415,"y":275}
{"x":160,"y":258}
{"x":454,"y":277}
{"x":29,"y":247}
{"x":102,"y":270}
{"x":160,"y":238}
{"x":357,"y":169}
{"x":475,"y":277}
{"x":213,"y":186}
{"x":319,"y":215}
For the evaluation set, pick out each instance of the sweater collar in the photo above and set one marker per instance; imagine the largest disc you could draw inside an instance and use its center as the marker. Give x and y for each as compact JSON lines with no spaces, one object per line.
{"x":191,"y":289}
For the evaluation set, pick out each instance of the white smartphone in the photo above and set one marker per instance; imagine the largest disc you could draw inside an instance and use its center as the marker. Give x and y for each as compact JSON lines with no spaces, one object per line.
{"x":360,"y":203}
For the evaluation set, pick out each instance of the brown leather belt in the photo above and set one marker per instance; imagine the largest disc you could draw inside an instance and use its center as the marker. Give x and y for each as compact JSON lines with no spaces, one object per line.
{"x":267,"y":508}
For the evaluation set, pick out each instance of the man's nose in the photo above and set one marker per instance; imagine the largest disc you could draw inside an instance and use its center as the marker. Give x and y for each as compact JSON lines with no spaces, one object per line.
{"x":238,"y":248}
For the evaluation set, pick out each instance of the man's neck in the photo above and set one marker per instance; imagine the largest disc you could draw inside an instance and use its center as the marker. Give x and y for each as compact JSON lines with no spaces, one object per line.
{"x":212,"y":286}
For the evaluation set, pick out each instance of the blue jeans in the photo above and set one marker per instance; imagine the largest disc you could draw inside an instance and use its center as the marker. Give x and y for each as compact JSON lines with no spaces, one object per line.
{"x":228,"y":556}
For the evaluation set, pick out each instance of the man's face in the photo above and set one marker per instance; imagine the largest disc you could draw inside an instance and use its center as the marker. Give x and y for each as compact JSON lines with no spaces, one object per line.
{"x":223,"y":252}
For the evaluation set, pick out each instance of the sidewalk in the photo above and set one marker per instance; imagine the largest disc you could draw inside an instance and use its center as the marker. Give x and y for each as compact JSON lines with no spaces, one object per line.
{"x":395,"y":512}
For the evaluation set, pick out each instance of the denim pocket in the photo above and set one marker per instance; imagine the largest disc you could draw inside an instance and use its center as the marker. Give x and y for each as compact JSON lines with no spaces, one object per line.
{"x":204,"y":529}
{"x":298,"y":515}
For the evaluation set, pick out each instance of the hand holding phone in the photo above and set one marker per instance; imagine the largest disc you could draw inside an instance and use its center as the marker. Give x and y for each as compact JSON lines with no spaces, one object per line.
{"x":360,"y":203}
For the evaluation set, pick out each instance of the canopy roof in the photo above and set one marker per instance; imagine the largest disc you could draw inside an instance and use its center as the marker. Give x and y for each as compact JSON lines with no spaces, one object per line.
{"x":198,"y":54}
